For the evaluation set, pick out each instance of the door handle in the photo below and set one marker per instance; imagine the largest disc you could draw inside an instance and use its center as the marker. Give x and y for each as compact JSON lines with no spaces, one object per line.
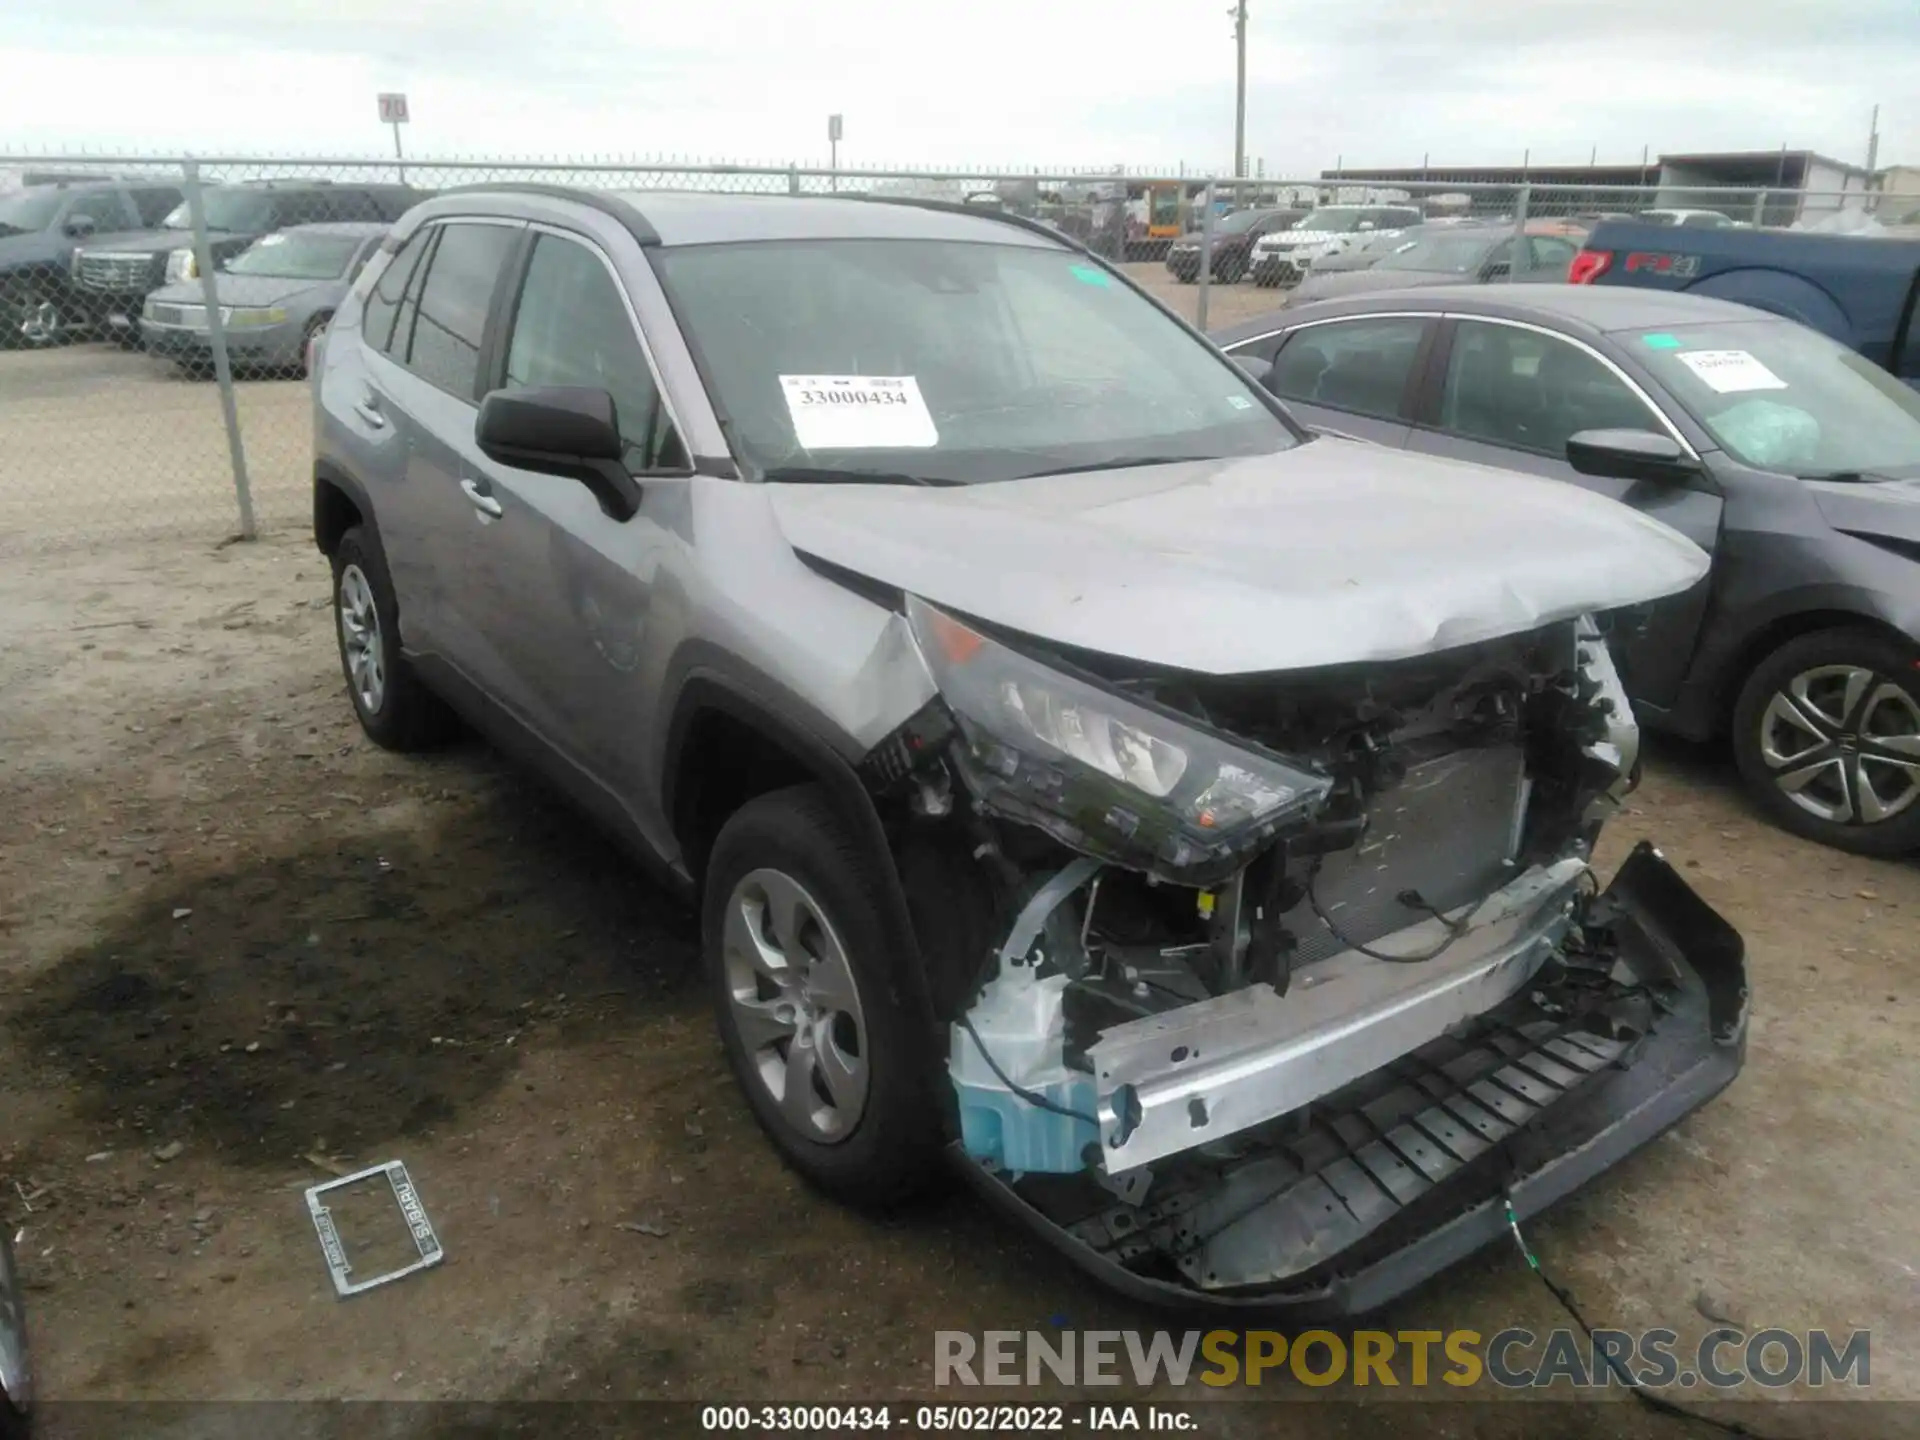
{"x":370,"y":413}
{"x":482,"y":501}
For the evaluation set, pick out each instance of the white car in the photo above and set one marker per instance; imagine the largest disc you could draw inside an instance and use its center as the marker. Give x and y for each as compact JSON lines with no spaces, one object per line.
{"x":1283,"y":257}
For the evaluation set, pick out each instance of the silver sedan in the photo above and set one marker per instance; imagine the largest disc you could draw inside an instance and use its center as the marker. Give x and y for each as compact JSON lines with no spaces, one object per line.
{"x":274,"y":297}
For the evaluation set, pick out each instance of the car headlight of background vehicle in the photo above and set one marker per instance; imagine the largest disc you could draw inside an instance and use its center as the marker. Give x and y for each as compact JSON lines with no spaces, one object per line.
{"x":1101,"y":772}
{"x":181,"y":265}
{"x":242,"y":315}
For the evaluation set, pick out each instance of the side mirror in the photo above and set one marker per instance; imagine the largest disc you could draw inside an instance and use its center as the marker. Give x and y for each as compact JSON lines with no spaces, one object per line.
{"x":78,"y":227}
{"x":563,"y":430}
{"x":1631,"y":455}
{"x":1254,"y":368}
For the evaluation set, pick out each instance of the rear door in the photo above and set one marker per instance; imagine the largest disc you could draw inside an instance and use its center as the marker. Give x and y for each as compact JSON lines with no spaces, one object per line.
{"x":375,"y":426}
{"x":1355,"y":376}
{"x":437,"y":384}
{"x":1510,"y":395}
{"x":423,"y":386}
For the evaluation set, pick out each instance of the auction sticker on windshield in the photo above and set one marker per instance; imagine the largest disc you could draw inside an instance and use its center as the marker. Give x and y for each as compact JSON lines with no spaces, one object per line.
{"x":1730,"y":371}
{"x":858,"y":412}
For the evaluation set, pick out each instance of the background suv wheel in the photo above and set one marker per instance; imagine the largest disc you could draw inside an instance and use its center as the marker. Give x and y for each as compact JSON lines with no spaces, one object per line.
{"x":1827,"y":735}
{"x":821,"y":1037}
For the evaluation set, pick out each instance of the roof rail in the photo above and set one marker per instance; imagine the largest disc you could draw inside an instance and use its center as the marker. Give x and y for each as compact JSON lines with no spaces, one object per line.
{"x":984,"y":212}
{"x":601,"y":200}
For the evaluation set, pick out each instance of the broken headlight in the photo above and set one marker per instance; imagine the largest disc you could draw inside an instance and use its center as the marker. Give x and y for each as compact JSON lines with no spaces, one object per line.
{"x":1103,"y":773}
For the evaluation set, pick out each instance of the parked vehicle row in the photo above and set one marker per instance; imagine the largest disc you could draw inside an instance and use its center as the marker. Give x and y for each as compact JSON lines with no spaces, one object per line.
{"x":82,"y":257}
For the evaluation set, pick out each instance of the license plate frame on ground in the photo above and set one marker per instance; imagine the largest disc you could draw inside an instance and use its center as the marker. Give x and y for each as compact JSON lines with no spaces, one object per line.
{"x":412,"y":1212}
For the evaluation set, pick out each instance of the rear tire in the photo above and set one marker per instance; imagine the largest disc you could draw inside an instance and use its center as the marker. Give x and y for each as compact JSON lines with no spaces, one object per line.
{"x":394,"y":707}
{"x":1826,"y":732}
{"x":823,"y":1039}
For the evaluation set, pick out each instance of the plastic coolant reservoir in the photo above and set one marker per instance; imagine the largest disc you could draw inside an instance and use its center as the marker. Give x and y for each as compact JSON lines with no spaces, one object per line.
{"x":1019,"y":1021}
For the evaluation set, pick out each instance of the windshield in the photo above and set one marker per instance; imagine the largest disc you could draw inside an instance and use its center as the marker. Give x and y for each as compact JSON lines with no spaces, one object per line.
{"x":28,"y":211}
{"x":1335,"y":218}
{"x":1237,"y":223}
{"x":950,"y":361}
{"x":1779,"y":396}
{"x":1451,"y":254}
{"x":226,"y":210}
{"x":291,"y":255}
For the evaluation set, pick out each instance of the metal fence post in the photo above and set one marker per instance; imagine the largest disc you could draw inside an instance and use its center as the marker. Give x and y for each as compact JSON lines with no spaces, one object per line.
{"x":1206,"y":258}
{"x":793,"y":180}
{"x":1521,"y":204}
{"x":1760,"y":208}
{"x":217,"y":341}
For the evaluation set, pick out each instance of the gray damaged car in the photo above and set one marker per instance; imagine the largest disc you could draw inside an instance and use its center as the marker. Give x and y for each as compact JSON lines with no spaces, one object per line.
{"x":275,"y":297}
{"x":1086,"y":777}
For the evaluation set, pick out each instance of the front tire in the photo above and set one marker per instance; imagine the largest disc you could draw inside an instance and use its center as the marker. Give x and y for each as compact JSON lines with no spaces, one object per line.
{"x":1826,"y":732}
{"x":822,"y":1037}
{"x":396,"y":710}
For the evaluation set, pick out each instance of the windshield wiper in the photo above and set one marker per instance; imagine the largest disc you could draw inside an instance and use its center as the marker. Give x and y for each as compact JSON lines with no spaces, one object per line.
{"x":1123,"y":462}
{"x":1850,"y":477}
{"x":822,"y":474}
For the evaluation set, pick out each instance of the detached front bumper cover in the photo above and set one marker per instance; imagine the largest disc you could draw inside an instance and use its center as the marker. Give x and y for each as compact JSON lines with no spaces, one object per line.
{"x":1413,"y":1172}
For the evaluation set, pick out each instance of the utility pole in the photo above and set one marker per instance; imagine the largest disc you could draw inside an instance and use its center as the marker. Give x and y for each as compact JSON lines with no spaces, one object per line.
{"x":1239,"y":13}
{"x":1873,"y":144}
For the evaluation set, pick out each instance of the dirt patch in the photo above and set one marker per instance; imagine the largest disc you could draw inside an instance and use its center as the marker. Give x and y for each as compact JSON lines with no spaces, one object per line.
{"x":354,"y":992}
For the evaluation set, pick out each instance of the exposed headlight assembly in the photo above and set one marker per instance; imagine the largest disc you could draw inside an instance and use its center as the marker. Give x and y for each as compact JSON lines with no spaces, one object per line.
{"x":1103,"y":773}
{"x":181,"y":265}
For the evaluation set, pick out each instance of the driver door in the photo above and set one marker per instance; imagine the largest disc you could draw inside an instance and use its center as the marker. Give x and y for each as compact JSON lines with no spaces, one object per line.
{"x":564,"y":591}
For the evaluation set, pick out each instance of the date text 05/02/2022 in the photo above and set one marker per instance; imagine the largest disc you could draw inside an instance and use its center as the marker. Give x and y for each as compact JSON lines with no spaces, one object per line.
{"x":1045,"y":1419}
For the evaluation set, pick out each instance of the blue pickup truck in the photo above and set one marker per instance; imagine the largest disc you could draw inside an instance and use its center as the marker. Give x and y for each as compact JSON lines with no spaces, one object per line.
{"x":1861,"y":291}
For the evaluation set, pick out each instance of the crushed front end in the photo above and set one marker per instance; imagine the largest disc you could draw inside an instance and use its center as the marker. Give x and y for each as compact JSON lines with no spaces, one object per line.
{"x":1275,"y":990}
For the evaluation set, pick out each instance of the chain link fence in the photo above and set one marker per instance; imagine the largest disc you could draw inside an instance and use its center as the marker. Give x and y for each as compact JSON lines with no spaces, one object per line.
{"x":156,"y":316}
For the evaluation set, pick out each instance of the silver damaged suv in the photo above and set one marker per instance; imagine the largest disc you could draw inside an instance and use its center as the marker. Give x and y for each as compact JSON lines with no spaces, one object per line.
{"x":1087,"y":778}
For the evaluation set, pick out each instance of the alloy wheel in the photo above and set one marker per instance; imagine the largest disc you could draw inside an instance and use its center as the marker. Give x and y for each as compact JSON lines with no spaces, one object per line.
{"x":796,"y":1005}
{"x":1842,"y":742}
{"x":39,"y":320}
{"x":361,"y":640}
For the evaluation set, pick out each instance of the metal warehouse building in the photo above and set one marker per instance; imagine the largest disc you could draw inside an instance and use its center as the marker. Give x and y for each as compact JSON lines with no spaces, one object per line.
{"x":1784,"y":185}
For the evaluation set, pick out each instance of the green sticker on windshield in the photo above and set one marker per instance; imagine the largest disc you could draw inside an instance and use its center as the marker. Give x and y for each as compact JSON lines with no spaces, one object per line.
{"x":1661,"y":342}
{"x":1091,"y":275}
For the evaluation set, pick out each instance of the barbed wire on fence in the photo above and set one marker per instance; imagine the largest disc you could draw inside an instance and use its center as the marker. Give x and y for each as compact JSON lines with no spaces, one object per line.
{"x":152,"y":340}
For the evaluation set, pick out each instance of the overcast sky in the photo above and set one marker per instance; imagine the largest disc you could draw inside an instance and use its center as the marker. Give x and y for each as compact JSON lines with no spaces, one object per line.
{"x":985,"y":83}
